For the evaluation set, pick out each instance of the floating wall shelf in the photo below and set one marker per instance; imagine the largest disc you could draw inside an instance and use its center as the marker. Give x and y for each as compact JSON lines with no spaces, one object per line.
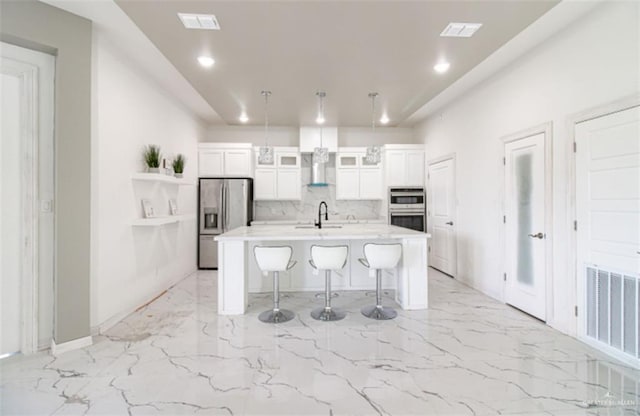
{"x":158,"y":221}
{"x":158,"y":177}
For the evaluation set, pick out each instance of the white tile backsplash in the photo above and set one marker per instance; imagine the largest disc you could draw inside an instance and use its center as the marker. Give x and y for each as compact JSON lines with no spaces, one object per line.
{"x":307,"y":207}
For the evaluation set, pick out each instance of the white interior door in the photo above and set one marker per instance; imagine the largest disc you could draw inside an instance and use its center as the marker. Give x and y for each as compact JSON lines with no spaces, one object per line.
{"x":26,"y":192}
{"x":608,"y":228}
{"x":441,"y":216}
{"x":10,"y":212}
{"x":525,"y":234}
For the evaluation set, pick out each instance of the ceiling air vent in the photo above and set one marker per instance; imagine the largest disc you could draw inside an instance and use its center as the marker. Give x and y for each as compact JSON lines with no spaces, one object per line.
{"x":199,"y":21}
{"x":460,"y":30}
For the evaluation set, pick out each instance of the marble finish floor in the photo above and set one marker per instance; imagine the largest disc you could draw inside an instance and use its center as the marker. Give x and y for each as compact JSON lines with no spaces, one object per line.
{"x":466,"y":355}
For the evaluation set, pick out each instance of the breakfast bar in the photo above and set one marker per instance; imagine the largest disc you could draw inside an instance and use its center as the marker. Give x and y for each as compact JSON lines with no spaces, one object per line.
{"x":238,"y":274}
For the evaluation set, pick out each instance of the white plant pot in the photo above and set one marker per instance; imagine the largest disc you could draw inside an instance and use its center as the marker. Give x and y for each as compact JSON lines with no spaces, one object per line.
{"x":178,"y":175}
{"x":153,"y":170}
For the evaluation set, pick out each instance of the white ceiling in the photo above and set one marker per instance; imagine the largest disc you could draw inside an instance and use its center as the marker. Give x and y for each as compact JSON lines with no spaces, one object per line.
{"x":346,"y":48}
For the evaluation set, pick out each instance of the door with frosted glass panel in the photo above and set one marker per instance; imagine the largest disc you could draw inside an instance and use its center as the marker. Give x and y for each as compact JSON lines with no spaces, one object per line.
{"x":525,"y":235}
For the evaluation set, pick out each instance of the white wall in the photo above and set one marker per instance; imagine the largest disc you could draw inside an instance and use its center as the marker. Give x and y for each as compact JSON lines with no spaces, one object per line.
{"x":131,"y":265}
{"x":595,"y":61}
{"x":290,"y":136}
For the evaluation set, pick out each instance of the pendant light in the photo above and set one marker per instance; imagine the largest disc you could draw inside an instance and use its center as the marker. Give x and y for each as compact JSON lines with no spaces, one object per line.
{"x":320,"y":154}
{"x":373,"y":155}
{"x":265,"y":155}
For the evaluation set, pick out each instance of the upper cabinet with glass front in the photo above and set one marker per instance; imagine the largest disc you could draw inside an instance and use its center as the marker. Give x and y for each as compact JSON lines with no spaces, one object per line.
{"x":224,"y":160}
{"x":356,"y":178}
{"x":280,"y":180}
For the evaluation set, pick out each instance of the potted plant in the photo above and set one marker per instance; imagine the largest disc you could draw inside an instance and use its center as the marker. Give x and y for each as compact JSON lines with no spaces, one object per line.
{"x":178,"y":165}
{"x":152,"y":158}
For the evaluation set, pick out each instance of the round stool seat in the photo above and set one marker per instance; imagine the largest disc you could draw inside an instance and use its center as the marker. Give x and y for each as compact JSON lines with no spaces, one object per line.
{"x":382,"y":256}
{"x":328,"y":258}
{"x":379,"y":257}
{"x":274,"y":260}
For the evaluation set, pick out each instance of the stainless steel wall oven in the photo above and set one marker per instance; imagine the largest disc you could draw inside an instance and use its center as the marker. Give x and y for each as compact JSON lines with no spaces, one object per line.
{"x":407,"y":208}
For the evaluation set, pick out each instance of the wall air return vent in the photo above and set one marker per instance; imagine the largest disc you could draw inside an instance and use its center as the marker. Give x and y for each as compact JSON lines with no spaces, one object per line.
{"x":613,"y":309}
{"x":199,"y":21}
{"x":460,"y":30}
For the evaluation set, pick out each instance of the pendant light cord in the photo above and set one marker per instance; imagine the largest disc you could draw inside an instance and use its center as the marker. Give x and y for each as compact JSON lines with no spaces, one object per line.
{"x":266,"y":95}
{"x":373,"y":96}
{"x":321,"y":96}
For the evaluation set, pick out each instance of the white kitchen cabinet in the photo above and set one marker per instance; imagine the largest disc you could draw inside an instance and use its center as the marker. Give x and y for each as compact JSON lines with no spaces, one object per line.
{"x":347,"y":184}
{"x":415,"y":168}
{"x":224,"y":159}
{"x":288,"y":159}
{"x":371,"y":184}
{"x":347,"y":160}
{"x":356,"y":179}
{"x":210,"y":163}
{"x":404,"y":165}
{"x":394,"y":164}
{"x":280,"y":181}
{"x":237,"y":162}
{"x":289,"y":185}
{"x":264,"y":184}
{"x":310,"y":139}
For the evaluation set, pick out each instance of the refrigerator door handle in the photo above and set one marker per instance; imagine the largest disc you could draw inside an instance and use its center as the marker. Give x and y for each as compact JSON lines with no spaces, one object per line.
{"x":221,"y":209}
{"x":225,"y":207}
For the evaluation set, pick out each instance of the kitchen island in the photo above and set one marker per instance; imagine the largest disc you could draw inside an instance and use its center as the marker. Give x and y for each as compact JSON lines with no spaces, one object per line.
{"x":238,"y":273}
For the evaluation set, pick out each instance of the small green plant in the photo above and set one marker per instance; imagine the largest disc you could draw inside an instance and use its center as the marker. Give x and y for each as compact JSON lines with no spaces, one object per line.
{"x":152,"y":156}
{"x":178,"y":163}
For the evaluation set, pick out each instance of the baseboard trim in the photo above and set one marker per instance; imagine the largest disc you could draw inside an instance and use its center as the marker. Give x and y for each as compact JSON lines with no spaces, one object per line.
{"x":57,"y":349}
{"x":112,"y":321}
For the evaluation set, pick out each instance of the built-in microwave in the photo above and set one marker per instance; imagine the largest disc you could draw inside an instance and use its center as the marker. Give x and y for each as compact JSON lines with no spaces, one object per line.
{"x":407,"y":208}
{"x":406,"y":198}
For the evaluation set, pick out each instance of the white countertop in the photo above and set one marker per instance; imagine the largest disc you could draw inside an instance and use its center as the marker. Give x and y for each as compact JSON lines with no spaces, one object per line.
{"x":345,"y":232}
{"x":380,"y":220}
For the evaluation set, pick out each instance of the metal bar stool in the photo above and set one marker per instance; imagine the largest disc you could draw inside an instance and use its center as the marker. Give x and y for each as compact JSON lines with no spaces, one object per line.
{"x":377,"y":258}
{"x":275,"y":260}
{"x":328,"y":258}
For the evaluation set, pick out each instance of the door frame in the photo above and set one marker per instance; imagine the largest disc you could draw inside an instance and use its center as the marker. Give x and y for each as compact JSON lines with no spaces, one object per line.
{"x":430,"y":162}
{"x":576,"y":296}
{"x":547,"y":130}
{"x":28,"y":77}
{"x":37,"y":126}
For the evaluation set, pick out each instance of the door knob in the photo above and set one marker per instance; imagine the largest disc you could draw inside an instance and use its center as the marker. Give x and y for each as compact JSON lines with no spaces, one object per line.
{"x":539,"y":235}
{"x":449,"y":223}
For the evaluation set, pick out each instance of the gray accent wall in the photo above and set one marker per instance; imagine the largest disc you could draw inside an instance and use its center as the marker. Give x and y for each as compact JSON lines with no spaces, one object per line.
{"x":39,"y":26}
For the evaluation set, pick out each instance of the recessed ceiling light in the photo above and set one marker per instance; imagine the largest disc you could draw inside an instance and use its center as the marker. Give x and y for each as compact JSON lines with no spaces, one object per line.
{"x":384,"y":119}
{"x":442,"y":67}
{"x":460,"y":30}
{"x":243,"y":117}
{"x":206,"y":61}
{"x":199,"y":21}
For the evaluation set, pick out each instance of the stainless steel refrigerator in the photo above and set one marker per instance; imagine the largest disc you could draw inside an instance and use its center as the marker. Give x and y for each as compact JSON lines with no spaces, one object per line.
{"x":224,"y":204}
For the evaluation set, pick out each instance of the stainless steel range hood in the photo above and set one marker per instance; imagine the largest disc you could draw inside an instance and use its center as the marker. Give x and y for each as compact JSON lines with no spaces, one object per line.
{"x":318,"y":174}
{"x":310,"y":138}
